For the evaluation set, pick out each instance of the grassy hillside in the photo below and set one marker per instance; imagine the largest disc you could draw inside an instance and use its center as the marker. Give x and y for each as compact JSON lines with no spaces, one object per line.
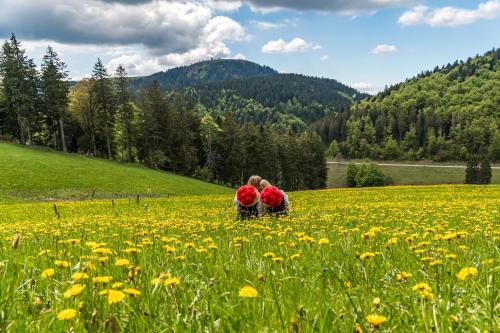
{"x":415,"y":175}
{"x":28,"y":173}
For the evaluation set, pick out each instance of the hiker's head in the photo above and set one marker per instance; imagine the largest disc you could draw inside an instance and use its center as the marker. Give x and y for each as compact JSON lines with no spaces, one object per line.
{"x":247,"y":195}
{"x":255,"y":181}
{"x":263,"y":184}
{"x":271,"y":196}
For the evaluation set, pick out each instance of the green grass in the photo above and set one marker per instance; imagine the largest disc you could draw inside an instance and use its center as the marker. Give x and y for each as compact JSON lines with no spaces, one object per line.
{"x":338,"y":258}
{"x":402,"y":175}
{"x":41,"y":174}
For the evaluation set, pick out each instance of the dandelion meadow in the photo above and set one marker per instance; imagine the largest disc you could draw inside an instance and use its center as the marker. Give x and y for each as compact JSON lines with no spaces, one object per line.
{"x":404,"y":259}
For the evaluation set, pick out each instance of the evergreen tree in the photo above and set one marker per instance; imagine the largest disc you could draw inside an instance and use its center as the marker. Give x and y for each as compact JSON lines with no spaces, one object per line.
{"x":485,"y":174}
{"x":233,"y":153}
{"x":103,"y":94}
{"x":18,"y":74}
{"x":124,"y":107}
{"x":472,"y":172}
{"x":54,"y":90}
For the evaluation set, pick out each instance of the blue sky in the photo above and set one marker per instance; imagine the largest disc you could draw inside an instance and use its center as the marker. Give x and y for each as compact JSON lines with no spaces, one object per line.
{"x":365,"y":43}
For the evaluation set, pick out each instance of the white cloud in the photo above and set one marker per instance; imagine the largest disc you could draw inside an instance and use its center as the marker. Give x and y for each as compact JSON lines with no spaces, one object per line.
{"x":224,"y":5}
{"x":324,"y":57}
{"x":450,"y":16}
{"x":339,"y":6}
{"x":146,"y":36}
{"x":295,"y":45}
{"x":366,"y":87}
{"x":263,"y":25}
{"x":240,"y":56}
{"x":383,"y":49}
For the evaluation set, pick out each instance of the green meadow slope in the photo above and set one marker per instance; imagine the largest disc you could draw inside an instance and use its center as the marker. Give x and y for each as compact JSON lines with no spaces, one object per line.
{"x":41,"y":174}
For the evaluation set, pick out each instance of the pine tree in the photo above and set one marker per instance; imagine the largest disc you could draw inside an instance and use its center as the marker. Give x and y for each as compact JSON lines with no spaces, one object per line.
{"x":103,"y":93}
{"x":232,"y":153}
{"x":472,"y":172}
{"x":124,"y":107}
{"x":18,"y":75}
{"x":485,"y":174}
{"x":54,"y":89}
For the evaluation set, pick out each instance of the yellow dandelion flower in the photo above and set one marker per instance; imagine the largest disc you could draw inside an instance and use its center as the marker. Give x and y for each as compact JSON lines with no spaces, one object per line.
{"x":295,"y":256}
{"x":131,"y":250}
{"x":466,"y":272}
{"x":74,"y":290}
{"x":365,"y":255}
{"x":103,"y":260}
{"x":170,"y":249}
{"x":115,"y":296}
{"x":79,"y":276}
{"x":403,"y":276}
{"x":248,"y":292}
{"x":102,"y":279}
{"x":66,"y":314}
{"x":323,"y":241}
{"x":48,"y":273}
{"x":375,"y":319}
{"x":174,"y":281}
{"x":61,"y":263}
{"x":117,"y":285}
{"x":132,"y":291}
{"x":421,"y":287}
{"x":102,"y":250}
{"x":277,"y":259}
{"x":122,"y":262}
{"x":269,"y":254}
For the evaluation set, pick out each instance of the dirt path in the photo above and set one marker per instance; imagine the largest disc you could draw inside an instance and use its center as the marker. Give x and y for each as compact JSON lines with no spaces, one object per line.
{"x":414,"y":165}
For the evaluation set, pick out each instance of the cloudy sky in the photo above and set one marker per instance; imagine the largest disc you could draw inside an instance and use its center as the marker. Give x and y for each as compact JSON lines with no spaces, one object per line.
{"x":364,"y":43}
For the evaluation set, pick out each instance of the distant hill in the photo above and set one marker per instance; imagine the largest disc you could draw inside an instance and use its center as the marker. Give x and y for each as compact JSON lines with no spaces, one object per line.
{"x":255,"y":93}
{"x":280,"y":88}
{"x":202,"y":73}
{"x":41,"y":174}
{"x":449,"y":113}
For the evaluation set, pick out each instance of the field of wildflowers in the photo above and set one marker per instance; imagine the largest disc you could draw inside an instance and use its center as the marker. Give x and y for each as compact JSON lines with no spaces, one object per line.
{"x":397,"y":259}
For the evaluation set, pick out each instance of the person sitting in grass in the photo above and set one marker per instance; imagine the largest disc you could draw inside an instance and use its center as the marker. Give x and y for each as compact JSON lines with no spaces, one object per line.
{"x":247,"y":199}
{"x":274,"y":200}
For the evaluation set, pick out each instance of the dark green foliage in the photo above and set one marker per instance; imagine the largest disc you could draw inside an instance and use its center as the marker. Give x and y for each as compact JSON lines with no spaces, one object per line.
{"x":472,"y":172}
{"x":19,"y":88}
{"x":201,"y":73}
{"x":365,"y":175}
{"x":103,"y":94}
{"x":485,"y":173}
{"x":352,"y":171}
{"x":272,"y":90}
{"x":54,"y":94}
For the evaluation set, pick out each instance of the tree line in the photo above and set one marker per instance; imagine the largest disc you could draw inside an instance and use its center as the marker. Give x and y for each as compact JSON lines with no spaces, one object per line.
{"x":101,"y":116}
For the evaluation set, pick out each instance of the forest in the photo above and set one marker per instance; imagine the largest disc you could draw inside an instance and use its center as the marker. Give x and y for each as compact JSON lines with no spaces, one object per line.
{"x":449,"y":114}
{"x":223,"y":120}
{"x":168,"y":130}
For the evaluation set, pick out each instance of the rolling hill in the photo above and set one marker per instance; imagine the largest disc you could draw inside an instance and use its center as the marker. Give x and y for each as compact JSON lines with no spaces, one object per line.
{"x":280,"y":88}
{"x":449,"y":113}
{"x":42,"y":174}
{"x":202,"y":73}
